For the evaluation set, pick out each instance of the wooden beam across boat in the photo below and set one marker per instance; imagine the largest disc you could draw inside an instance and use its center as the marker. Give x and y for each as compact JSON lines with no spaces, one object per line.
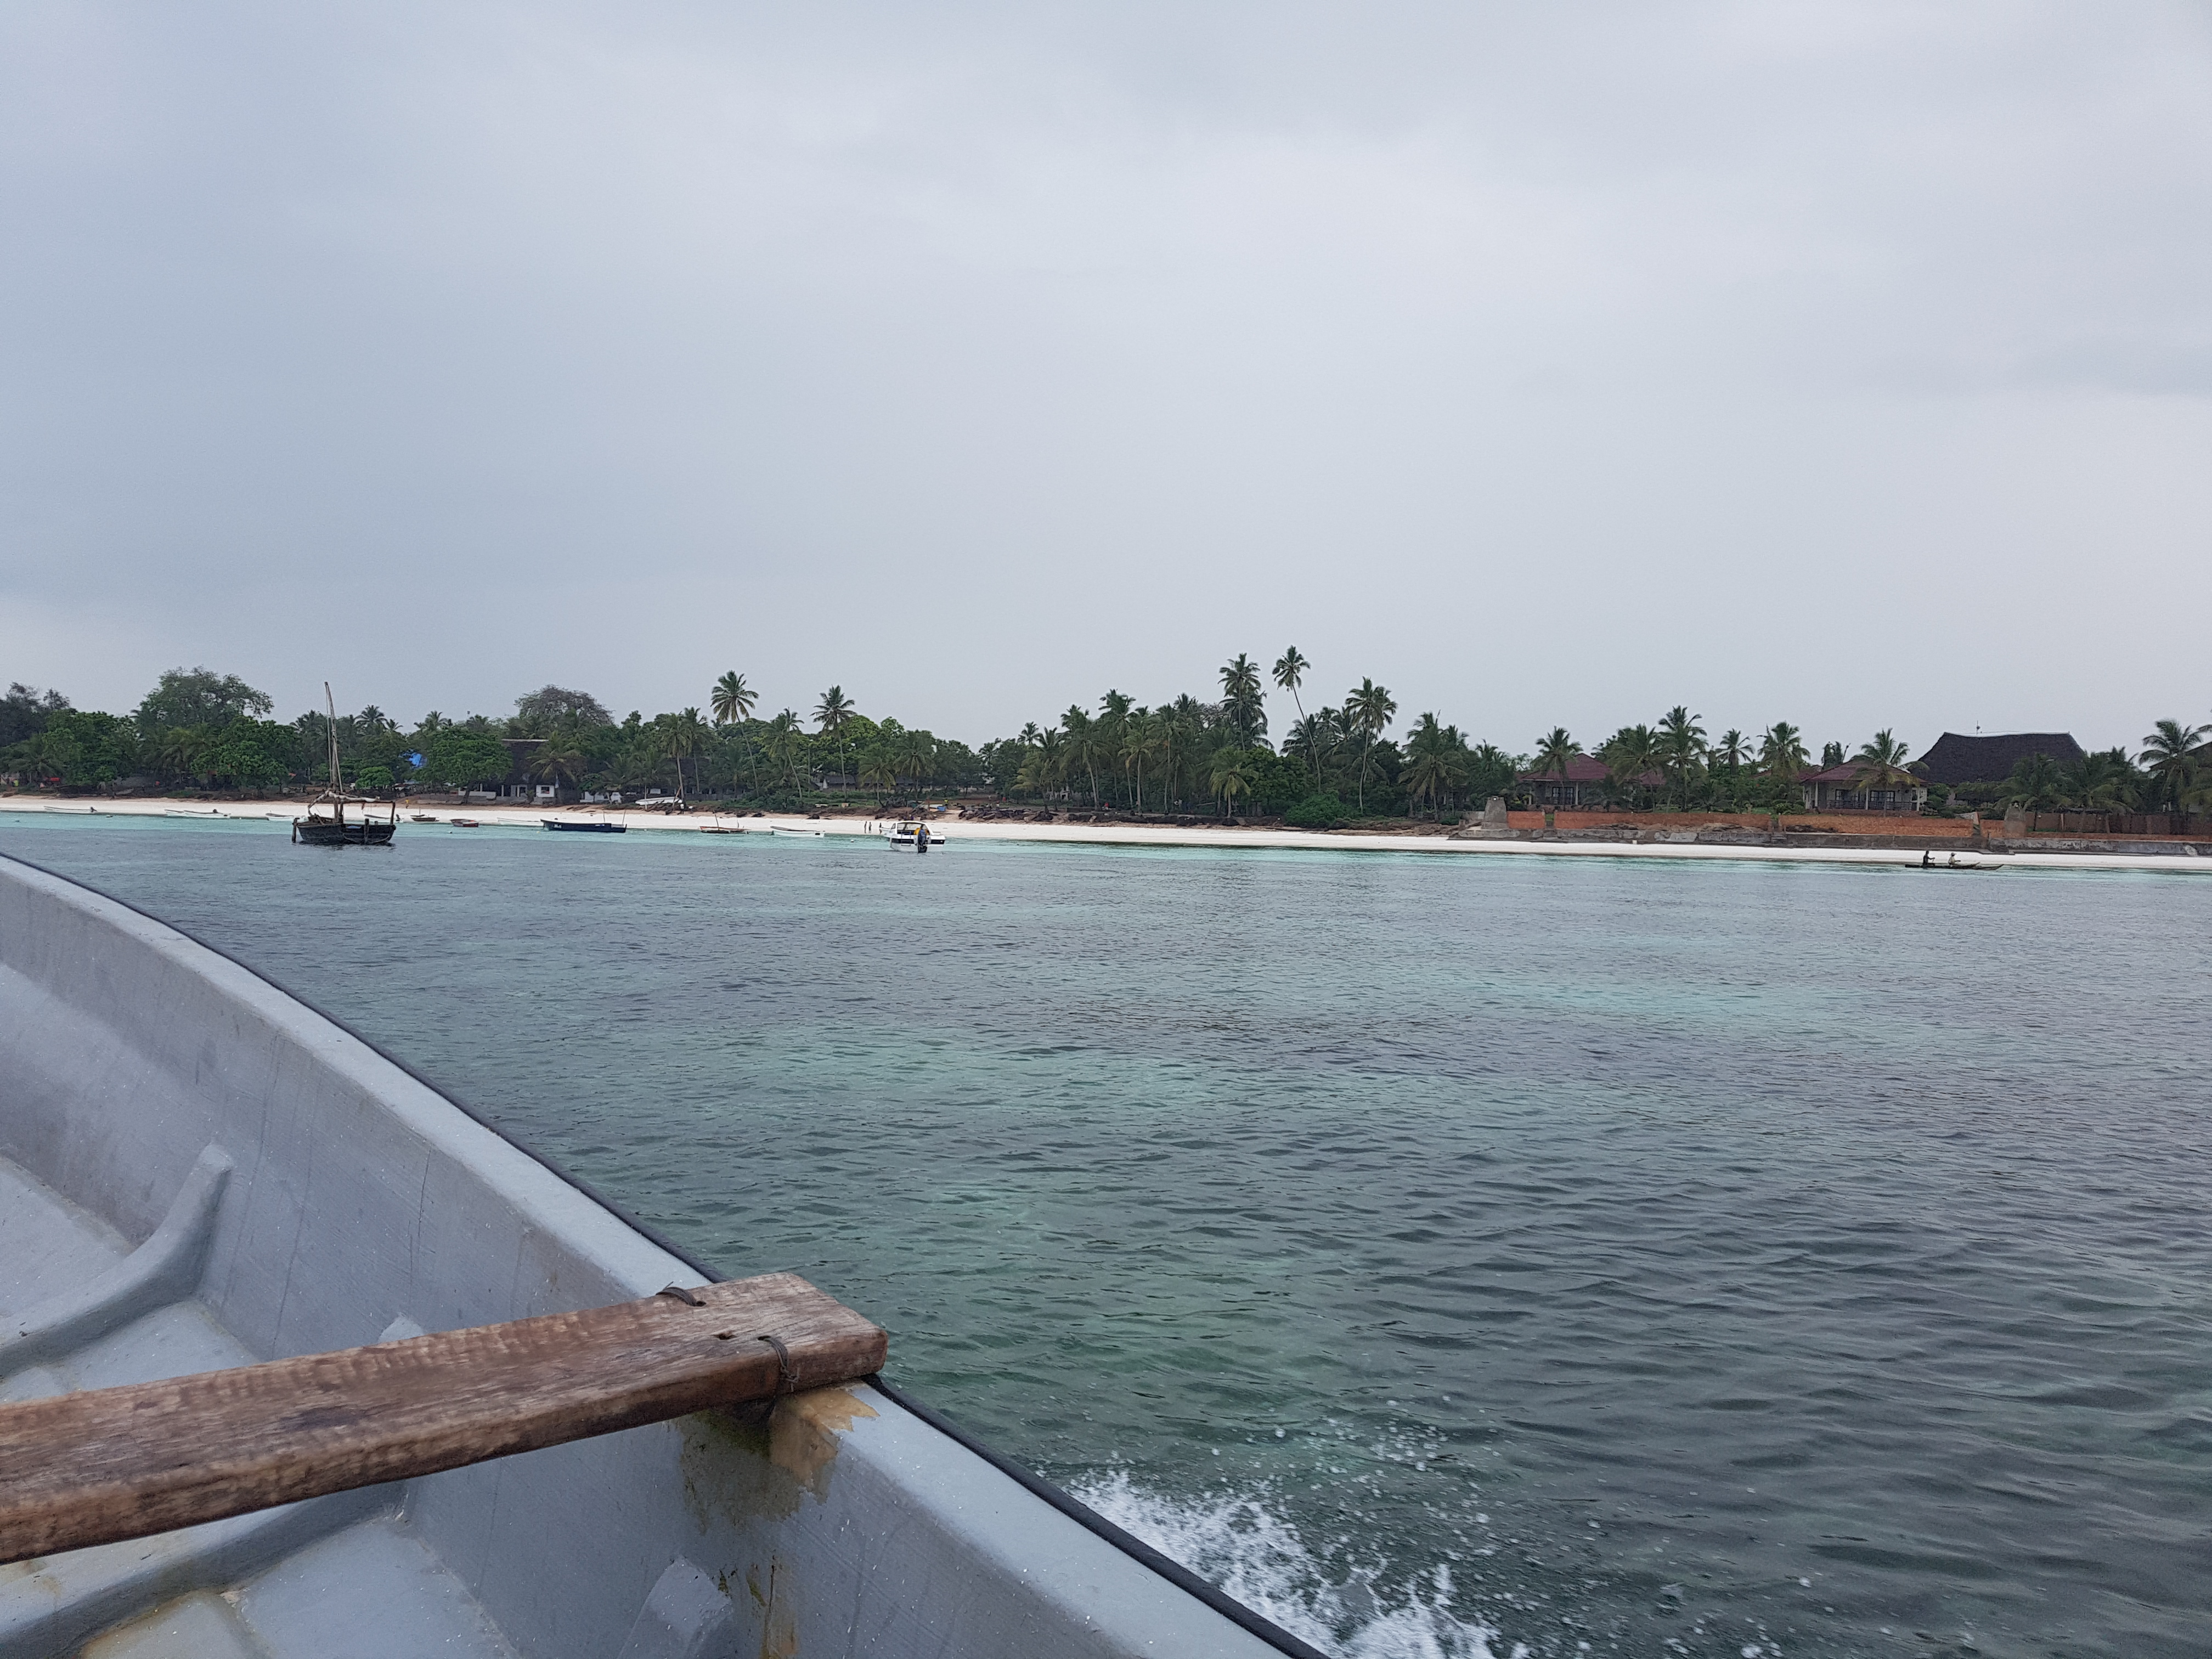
{"x":105,"y":1464}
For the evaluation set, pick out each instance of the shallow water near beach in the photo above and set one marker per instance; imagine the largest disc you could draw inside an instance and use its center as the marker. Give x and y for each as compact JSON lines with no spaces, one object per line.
{"x":1446,"y":1254}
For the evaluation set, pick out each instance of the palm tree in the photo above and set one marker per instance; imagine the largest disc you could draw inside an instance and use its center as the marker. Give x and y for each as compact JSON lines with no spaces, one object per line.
{"x":1369,"y":707}
{"x":559,"y":759}
{"x":1629,"y":756}
{"x":1240,"y":696}
{"x":917,"y":756}
{"x":181,"y":749}
{"x":1140,"y":737}
{"x":1682,"y":746}
{"x":1314,"y":738}
{"x":878,"y":771}
{"x":1782,"y":753}
{"x":1086,"y":744}
{"x":1880,"y":764}
{"x":1047,"y":764}
{"x":833,"y":713}
{"x":783,"y":740}
{"x":733,"y":699}
{"x":1555,"y":754}
{"x":2101,"y":780}
{"x":2036,"y":782}
{"x":682,"y":735}
{"x":2169,"y":756}
{"x":1434,"y":763}
{"x":635,"y":766}
{"x":1232,"y":776}
{"x":1289,"y":672}
{"x":1178,"y":734}
{"x":834,"y":709}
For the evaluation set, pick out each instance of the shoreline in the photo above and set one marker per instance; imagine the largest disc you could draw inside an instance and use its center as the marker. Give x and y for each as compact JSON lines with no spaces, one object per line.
{"x":959,"y":830}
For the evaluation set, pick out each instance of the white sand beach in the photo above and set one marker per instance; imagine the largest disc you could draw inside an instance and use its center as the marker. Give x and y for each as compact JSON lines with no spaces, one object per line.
{"x":954,"y":830}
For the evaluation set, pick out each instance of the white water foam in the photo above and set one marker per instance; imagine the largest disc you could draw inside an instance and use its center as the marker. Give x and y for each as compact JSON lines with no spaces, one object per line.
{"x":1259,"y":1558}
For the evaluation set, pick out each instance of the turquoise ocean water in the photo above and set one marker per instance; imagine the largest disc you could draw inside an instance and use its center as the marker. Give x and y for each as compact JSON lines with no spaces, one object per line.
{"x":1448,"y":1255}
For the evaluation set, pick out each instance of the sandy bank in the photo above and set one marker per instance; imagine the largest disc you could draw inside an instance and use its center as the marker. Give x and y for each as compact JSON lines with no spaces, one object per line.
{"x":957,"y":830}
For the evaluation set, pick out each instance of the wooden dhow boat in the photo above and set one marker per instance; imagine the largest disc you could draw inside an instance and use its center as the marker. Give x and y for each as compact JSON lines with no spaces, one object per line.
{"x":227,"y":1224}
{"x":337,"y":818}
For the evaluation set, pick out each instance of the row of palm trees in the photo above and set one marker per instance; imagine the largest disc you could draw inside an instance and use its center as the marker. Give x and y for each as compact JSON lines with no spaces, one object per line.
{"x":2173,"y":773}
{"x":1164,"y":757}
{"x":1672,"y":762}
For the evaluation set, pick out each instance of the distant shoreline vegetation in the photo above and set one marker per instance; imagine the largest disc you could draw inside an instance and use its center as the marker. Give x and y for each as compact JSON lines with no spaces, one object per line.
{"x":200,"y":732}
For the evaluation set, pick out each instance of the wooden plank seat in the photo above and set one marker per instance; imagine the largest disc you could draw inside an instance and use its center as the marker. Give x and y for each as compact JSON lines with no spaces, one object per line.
{"x":105,"y":1464}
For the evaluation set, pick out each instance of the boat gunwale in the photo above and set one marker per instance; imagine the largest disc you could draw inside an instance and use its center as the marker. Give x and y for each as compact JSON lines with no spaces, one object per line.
{"x":1254,"y":1623}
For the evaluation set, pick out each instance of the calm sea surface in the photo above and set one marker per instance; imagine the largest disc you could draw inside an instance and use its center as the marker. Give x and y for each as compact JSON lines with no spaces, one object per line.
{"x":1446,"y":1254}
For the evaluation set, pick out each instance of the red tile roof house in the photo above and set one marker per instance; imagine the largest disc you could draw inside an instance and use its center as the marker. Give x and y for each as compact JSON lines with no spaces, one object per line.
{"x":1843,"y":789}
{"x":1587,"y":784}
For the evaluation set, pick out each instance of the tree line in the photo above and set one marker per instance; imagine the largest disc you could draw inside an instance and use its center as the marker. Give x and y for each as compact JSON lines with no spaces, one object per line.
{"x":1338,"y":761}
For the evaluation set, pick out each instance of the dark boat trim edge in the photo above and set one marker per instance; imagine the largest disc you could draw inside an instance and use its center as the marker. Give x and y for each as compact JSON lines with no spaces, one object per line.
{"x":1067,"y":1503}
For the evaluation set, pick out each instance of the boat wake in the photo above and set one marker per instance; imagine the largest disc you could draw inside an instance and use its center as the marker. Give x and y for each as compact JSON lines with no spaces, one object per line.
{"x":1261,"y":1560}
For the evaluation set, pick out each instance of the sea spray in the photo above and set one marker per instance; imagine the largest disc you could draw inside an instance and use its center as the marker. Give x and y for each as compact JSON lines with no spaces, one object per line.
{"x":1239,"y":1544}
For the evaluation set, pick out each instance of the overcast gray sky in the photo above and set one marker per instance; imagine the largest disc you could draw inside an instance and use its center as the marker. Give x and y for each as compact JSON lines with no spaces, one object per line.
{"x":1851,"y":365}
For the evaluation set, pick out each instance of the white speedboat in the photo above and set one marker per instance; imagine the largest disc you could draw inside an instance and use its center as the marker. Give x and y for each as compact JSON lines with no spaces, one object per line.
{"x":226,"y":1223}
{"x":912,"y":835}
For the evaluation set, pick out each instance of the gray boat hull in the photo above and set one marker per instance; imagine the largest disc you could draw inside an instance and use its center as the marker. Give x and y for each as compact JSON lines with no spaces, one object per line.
{"x":316,"y":1195}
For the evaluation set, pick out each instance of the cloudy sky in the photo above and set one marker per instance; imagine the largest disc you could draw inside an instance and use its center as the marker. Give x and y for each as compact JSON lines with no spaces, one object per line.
{"x":1851,"y":365}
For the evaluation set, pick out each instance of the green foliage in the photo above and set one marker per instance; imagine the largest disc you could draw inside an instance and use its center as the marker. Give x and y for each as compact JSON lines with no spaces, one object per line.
{"x":1318,"y":812}
{"x":2170,"y":758}
{"x":79,"y":747}
{"x":198,"y":696}
{"x":25,"y":711}
{"x":1490,"y":771}
{"x":2037,"y":783}
{"x":248,"y":754}
{"x":553,"y":706}
{"x":461,"y":759}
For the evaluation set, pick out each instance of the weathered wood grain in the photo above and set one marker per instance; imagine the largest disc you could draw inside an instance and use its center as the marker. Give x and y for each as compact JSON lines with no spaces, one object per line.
{"x":105,"y":1464}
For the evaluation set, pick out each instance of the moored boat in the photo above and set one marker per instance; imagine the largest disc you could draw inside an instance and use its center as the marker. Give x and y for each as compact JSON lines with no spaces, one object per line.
{"x":293,"y":1195}
{"x":339,"y":819}
{"x":589,"y":826}
{"x":912,"y":835}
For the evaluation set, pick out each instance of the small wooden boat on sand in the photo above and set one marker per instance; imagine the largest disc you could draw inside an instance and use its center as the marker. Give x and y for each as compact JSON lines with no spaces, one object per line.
{"x":298,"y":1358}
